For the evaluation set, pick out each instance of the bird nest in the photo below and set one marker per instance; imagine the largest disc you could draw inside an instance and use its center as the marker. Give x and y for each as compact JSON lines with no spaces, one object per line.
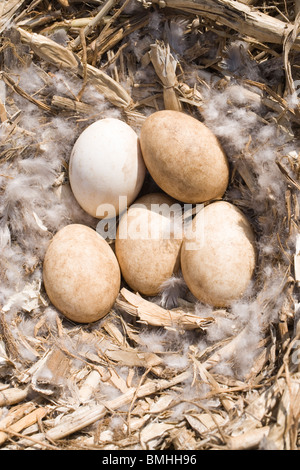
{"x":165,"y":372}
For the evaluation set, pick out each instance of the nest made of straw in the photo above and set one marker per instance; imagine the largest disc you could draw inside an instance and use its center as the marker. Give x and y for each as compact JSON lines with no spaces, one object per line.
{"x":146,"y":376}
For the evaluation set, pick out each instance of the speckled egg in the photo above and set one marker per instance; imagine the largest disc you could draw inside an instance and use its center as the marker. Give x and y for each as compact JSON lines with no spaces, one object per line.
{"x":81,"y":274}
{"x":218,"y":254}
{"x":184,"y":157}
{"x":148,"y":242}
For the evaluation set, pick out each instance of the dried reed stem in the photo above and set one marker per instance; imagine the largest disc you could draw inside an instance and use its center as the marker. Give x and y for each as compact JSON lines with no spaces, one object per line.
{"x":86,"y":415}
{"x":165,"y":66}
{"x":154,"y":315}
{"x":61,"y":57}
{"x":7,"y":12}
{"x":107,"y":6}
{"x":237,"y":16}
{"x":68,"y":104}
{"x":11,"y":396}
{"x":23,"y":423}
{"x":247,"y":440}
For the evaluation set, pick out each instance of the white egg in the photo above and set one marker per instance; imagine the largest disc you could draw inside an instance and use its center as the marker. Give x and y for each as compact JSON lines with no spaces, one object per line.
{"x":106,"y":168}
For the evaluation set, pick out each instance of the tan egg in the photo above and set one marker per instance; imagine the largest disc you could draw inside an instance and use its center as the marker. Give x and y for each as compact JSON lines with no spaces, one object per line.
{"x":81,"y":274}
{"x":148,"y":242}
{"x":184,"y":157}
{"x":218,"y":255}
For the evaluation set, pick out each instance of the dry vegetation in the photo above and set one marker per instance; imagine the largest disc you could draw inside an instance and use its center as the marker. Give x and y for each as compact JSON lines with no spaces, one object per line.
{"x":146,"y":377}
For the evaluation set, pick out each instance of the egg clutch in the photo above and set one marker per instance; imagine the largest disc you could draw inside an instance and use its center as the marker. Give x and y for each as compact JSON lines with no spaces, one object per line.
{"x":214,"y":250}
